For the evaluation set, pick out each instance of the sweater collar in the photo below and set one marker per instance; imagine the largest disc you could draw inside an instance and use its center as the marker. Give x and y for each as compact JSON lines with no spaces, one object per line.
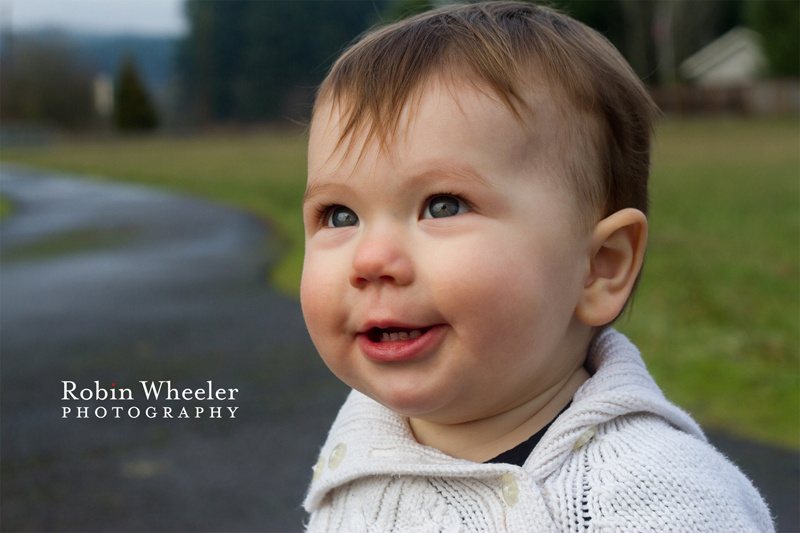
{"x":368,"y":439}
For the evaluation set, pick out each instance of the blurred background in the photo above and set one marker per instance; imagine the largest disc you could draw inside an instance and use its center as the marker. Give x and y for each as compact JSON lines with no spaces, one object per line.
{"x":152,"y":164}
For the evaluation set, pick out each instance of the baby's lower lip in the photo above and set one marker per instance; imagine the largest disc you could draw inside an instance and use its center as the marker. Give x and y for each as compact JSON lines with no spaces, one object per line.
{"x":401,"y":350}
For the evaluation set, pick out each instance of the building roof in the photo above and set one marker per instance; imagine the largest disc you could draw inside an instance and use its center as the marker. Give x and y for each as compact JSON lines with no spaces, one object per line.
{"x":734,"y":58}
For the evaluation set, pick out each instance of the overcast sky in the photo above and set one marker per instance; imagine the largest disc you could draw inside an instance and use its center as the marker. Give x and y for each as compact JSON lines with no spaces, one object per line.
{"x":142,"y":17}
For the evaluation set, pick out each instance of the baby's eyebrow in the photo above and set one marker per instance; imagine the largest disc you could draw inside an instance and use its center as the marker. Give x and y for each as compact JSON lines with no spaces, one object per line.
{"x":456,"y":172}
{"x":317,"y":188}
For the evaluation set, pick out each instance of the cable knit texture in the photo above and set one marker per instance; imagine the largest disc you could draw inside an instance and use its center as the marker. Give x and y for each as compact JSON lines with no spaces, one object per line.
{"x":621,"y":458}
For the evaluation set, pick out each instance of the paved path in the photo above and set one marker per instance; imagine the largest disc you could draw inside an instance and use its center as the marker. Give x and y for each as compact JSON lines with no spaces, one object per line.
{"x":119,"y":283}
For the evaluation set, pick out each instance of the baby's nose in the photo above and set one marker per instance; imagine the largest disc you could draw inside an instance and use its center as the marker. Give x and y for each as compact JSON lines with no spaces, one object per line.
{"x":381,"y":259}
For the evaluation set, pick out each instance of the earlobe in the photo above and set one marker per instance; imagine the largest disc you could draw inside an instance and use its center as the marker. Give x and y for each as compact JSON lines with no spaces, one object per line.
{"x":616,"y":254}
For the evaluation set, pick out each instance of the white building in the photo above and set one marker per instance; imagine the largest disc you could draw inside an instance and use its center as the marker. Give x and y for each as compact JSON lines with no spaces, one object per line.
{"x":735,"y":58}
{"x":103,"y":95}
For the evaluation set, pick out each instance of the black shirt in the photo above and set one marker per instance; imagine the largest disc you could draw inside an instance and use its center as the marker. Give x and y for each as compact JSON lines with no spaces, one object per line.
{"x":519,"y":453}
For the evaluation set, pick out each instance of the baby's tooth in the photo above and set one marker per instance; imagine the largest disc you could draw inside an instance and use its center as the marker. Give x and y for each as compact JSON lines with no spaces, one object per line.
{"x":393,"y":336}
{"x":403,"y":336}
{"x":384,"y":337}
{"x":415,"y":334}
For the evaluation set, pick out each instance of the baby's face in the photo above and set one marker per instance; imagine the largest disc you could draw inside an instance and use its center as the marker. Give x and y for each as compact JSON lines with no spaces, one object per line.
{"x":441,"y":276}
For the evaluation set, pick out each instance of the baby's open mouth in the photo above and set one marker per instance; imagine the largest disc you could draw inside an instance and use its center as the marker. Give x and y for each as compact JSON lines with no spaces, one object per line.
{"x":395,"y":334}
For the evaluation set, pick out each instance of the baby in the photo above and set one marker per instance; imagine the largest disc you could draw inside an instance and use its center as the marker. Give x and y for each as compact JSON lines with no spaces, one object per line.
{"x":475,"y":220}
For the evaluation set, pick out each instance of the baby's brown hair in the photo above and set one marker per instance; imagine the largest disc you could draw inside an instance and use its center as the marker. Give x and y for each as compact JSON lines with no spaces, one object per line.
{"x":510,"y":48}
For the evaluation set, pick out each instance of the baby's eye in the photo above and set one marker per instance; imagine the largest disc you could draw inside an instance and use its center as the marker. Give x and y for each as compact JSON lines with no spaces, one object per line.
{"x":341,"y":217}
{"x":444,"y":206}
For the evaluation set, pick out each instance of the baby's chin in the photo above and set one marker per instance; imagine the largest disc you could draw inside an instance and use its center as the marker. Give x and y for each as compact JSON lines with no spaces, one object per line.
{"x":418,"y":389}
{"x":416,"y":402}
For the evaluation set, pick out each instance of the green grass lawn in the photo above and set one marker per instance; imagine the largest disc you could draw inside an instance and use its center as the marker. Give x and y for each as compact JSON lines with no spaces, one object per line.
{"x":718,"y":307}
{"x":6,"y":207}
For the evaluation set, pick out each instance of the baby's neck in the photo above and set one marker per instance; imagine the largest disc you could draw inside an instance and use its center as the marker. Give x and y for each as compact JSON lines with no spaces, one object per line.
{"x":484,"y":439}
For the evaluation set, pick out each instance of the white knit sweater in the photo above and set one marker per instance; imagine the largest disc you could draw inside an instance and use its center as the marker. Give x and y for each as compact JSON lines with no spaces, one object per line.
{"x":621,"y":458}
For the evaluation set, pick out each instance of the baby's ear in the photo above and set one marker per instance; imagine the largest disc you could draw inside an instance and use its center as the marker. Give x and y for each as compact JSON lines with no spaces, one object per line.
{"x":617,"y":250}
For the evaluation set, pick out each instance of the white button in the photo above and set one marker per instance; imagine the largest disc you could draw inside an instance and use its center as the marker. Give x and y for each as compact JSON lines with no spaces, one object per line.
{"x":318,"y":468}
{"x":337,"y":456}
{"x":585,"y":437}
{"x":510,"y":490}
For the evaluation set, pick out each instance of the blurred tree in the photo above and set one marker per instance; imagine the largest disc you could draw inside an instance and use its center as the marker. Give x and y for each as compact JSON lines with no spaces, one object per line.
{"x":698,"y":22}
{"x":402,"y":9}
{"x":779,"y":25}
{"x":209,"y":59}
{"x":133,"y":107}
{"x":249,"y":61}
{"x":44,"y":82}
{"x":605,"y":16}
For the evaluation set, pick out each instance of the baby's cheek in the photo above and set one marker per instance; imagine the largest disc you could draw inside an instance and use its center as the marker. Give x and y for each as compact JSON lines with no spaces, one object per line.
{"x":494,"y":297}
{"x":322,"y":327}
{"x":319,"y":301}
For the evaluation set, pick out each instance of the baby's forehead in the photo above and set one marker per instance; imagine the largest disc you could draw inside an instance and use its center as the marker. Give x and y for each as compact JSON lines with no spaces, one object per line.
{"x":536,"y":124}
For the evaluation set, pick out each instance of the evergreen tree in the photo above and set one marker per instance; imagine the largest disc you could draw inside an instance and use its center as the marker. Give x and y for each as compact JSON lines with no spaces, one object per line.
{"x":251,"y":61}
{"x":779,"y":25}
{"x":133,"y":107}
